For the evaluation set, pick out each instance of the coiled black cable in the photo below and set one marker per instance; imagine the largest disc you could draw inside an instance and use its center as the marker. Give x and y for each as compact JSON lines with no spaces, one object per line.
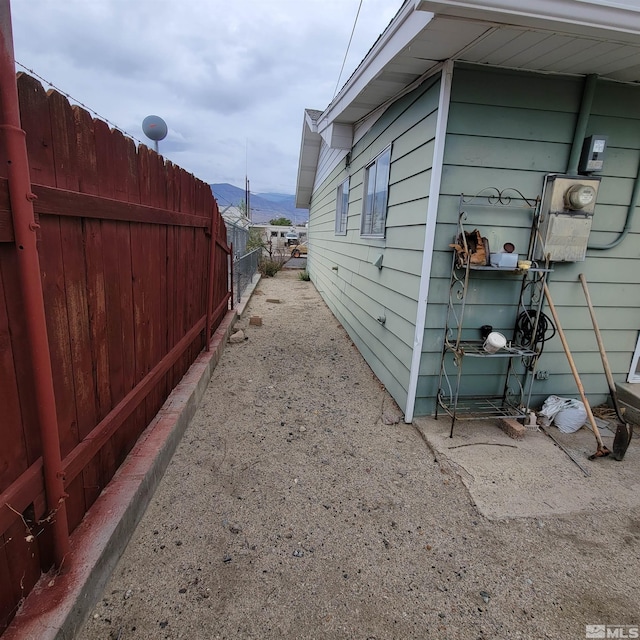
{"x":525,"y":334}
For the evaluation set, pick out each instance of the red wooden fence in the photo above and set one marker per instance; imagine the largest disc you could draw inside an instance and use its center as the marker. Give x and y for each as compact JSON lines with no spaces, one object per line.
{"x":134,"y":265}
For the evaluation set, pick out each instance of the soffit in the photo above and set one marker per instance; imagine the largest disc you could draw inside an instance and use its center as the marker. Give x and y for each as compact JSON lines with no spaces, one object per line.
{"x":611,"y":55}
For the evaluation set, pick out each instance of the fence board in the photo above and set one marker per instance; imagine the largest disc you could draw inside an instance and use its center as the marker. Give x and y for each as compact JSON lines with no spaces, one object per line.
{"x":65,"y":167}
{"x":88,"y":183}
{"x":121,"y":307}
{"x":42,"y":163}
{"x":13,"y":454}
{"x":107,"y":179}
{"x":8,"y":602}
{"x":138,"y":419}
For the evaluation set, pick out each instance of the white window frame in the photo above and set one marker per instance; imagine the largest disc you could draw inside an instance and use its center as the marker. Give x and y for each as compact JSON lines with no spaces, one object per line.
{"x":342,"y":208}
{"x":378,"y":173}
{"x":634,"y":371}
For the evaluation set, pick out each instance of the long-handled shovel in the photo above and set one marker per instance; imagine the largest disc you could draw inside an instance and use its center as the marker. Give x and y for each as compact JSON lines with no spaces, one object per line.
{"x":624,"y":430}
{"x":602,"y":450}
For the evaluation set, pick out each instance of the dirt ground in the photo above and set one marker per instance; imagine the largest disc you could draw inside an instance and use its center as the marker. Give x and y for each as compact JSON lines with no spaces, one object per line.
{"x":292,"y":510}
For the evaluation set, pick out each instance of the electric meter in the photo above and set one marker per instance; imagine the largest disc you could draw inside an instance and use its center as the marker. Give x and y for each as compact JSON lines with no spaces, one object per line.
{"x":566,"y":214}
{"x":579,"y":196}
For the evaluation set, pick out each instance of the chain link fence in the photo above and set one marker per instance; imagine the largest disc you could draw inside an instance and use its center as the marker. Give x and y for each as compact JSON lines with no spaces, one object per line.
{"x":238,"y":235}
{"x":244,"y":269}
{"x":245,"y":264}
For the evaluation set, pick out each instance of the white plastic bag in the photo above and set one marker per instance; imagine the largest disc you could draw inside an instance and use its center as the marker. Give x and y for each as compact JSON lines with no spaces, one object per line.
{"x":571,"y":417}
{"x":551,"y":407}
{"x":566,"y":413}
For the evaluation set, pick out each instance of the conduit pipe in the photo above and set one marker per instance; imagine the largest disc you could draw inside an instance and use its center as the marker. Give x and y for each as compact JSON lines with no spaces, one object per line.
{"x":576,"y":150}
{"x":580,"y":132}
{"x":631,"y":210}
{"x":24,"y":228}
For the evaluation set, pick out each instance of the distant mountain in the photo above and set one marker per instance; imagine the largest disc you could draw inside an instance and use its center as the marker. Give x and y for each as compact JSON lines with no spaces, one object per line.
{"x":264,"y":206}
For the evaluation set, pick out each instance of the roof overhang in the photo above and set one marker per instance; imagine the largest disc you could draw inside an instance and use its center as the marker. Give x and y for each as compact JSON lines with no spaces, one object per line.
{"x":572,"y":37}
{"x":619,"y":18}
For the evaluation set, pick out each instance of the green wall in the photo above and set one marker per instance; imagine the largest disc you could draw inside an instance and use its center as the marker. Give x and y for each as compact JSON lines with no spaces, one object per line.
{"x":505,"y":129}
{"x":341,"y":266}
{"x":508,"y":129}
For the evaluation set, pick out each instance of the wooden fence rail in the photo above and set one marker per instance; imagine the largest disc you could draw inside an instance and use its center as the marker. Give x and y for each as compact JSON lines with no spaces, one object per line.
{"x":134,"y":266}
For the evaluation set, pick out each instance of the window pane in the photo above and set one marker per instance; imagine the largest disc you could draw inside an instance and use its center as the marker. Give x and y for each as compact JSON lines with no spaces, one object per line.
{"x":381,"y":190}
{"x":369,"y":200}
{"x":342,"y":208}
{"x":375,"y":202}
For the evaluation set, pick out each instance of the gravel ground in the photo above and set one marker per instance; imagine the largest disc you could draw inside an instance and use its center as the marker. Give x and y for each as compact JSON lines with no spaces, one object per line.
{"x":292,"y":510}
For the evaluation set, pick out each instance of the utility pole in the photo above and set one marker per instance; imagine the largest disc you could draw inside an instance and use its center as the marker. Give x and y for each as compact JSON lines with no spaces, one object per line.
{"x":247,"y":197}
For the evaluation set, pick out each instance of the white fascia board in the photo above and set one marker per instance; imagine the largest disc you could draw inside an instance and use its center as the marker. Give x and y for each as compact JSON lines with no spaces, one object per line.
{"x":338,"y":136}
{"x":310,"y":122}
{"x":400,"y":32}
{"x":307,"y":163}
{"x":435,"y":185}
{"x":575,"y":16}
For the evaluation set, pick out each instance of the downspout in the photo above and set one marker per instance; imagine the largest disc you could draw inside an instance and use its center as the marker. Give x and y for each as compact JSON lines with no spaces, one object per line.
{"x":429,"y":235}
{"x":574,"y":159}
{"x":24,"y":229}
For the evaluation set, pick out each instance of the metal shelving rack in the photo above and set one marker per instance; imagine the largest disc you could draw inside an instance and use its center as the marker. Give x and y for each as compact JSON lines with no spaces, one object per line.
{"x":520,"y":359}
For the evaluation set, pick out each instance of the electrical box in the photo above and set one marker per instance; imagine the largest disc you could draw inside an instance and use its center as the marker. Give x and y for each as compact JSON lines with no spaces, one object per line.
{"x":593,"y":151}
{"x":566,"y":214}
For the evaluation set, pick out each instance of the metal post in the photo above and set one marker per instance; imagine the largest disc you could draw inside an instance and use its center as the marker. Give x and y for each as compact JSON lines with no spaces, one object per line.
{"x":231,"y":267}
{"x":212,"y":256}
{"x":24,"y":228}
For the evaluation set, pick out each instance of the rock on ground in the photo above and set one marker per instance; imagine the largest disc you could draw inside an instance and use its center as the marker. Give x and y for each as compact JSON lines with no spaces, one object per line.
{"x":291,"y":510}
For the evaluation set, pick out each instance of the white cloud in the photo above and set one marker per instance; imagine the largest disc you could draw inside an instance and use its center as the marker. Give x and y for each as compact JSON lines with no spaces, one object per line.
{"x":226,"y":76}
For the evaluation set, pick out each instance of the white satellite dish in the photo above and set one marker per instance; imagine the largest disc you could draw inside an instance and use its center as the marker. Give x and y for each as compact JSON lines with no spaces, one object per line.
{"x":155,"y":128}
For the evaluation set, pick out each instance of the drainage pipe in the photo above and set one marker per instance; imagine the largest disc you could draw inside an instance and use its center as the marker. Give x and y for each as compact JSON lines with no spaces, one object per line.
{"x":25,"y":228}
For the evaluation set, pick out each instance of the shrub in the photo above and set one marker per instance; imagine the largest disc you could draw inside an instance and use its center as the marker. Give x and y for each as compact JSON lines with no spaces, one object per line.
{"x":269,"y":267}
{"x":304,"y":275}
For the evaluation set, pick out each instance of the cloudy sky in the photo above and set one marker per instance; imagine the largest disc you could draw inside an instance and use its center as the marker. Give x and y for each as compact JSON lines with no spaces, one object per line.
{"x":230,"y":77}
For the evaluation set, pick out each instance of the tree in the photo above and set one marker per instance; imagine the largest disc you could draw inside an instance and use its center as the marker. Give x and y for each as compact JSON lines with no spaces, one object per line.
{"x":255,"y":240}
{"x":281,"y":222}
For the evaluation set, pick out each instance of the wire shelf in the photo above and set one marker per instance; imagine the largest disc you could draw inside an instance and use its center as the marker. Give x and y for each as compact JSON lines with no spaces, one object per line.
{"x":474,"y":349}
{"x":482,"y":408}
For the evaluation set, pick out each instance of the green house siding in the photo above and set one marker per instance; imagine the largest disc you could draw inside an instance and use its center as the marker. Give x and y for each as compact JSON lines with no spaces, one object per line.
{"x":342,"y":268}
{"x":509,"y":129}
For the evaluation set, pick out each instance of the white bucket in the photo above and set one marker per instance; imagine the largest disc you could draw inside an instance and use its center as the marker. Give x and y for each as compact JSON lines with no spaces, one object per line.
{"x":494,"y":342}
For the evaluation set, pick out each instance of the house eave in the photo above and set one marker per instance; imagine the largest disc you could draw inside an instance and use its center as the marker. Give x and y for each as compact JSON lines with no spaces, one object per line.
{"x":580,"y":17}
{"x":426,"y":32}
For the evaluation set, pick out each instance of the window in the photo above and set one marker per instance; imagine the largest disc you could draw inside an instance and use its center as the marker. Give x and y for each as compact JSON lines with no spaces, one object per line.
{"x":376,"y":191}
{"x":634,"y":372}
{"x":342,"y":208}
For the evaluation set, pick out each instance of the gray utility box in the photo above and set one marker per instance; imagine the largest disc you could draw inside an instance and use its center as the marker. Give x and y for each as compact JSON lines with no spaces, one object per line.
{"x":566,"y":214}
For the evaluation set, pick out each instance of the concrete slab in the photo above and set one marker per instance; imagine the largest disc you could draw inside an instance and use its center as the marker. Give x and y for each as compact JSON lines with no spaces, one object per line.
{"x":533,"y":477}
